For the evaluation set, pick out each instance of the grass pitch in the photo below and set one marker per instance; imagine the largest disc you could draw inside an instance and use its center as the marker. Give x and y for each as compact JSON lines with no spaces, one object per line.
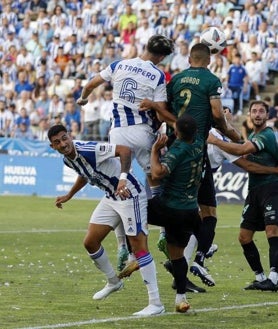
{"x":47,"y":279}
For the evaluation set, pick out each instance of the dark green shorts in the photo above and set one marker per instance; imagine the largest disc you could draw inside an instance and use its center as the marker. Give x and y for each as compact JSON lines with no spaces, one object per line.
{"x":261,"y":207}
{"x":179,"y":223}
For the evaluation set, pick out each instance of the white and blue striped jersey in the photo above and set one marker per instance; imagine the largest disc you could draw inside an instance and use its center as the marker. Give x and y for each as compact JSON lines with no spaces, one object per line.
{"x":216,"y":155}
{"x":97,"y":163}
{"x":133,"y":80}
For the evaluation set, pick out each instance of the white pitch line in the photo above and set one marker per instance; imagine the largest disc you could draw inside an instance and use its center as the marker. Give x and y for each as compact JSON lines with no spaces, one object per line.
{"x":41,"y":231}
{"x":96,"y":321}
{"x":152,"y":228}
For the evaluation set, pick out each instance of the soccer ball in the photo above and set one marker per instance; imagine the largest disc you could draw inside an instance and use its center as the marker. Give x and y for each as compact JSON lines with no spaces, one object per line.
{"x":214,"y":38}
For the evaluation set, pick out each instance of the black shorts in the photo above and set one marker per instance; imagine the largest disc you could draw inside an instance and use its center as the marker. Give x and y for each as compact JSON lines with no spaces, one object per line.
{"x":179,"y":224}
{"x":260,"y":208}
{"x":206,"y":193}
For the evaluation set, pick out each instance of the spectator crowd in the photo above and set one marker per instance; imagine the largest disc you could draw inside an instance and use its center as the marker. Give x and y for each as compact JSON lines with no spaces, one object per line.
{"x":48,"y":50}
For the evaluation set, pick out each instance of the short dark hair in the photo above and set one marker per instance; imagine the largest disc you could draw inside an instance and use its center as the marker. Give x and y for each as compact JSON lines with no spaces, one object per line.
{"x":199,"y":51}
{"x":227,"y":108}
{"x":186,"y":125}
{"x":54,"y":130}
{"x":261,"y":103}
{"x":160,"y":45}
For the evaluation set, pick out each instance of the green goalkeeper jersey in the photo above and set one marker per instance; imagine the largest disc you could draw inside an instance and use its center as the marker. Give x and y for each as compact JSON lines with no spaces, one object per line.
{"x":190,"y":91}
{"x":184,"y":164}
{"x":267,"y":155}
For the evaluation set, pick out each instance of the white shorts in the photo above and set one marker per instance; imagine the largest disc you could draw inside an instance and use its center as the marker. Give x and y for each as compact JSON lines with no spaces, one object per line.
{"x":139,"y":138}
{"x":132,"y":213}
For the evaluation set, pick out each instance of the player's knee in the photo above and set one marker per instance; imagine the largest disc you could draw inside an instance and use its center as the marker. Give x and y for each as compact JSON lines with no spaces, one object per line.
{"x":87,"y":245}
{"x":207,"y":211}
{"x":138,"y":243}
{"x":271,"y":231}
{"x":244,"y":239}
{"x":91,"y":245}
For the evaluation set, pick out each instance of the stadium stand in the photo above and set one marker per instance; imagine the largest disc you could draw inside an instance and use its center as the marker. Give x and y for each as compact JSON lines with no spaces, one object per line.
{"x":74,"y":40}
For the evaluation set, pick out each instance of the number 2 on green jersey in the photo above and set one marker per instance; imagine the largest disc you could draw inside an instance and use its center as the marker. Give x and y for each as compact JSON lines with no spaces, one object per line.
{"x":186,"y":94}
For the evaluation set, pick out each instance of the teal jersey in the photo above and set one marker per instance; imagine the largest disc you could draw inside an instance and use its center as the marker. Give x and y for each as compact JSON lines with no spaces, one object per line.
{"x":184,"y":164}
{"x":267,"y":155}
{"x":190,"y":91}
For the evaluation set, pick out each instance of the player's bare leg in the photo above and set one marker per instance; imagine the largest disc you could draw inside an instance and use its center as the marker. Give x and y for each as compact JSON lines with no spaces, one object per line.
{"x":92,"y":242}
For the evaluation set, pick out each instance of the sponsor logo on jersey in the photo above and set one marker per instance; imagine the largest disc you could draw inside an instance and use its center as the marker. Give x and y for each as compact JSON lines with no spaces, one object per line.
{"x":269,"y":207}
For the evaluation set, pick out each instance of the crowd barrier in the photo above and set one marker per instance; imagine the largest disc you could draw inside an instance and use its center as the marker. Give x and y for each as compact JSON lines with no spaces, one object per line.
{"x":33,"y":168}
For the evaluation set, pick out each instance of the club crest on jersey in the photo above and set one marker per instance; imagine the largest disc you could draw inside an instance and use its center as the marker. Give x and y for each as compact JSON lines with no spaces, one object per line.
{"x":270,"y":212}
{"x":268,"y":207}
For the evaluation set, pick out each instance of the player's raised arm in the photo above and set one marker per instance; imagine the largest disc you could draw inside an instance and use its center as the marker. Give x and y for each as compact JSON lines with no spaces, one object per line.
{"x":88,"y":88}
{"x":233,"y":148}
{"x":158,"y":170}
{"x":222,"y":124}
{"x":161,"y":110}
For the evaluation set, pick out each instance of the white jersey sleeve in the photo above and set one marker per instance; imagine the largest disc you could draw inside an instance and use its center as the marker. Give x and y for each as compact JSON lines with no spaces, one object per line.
{"x":104,"y":151}
{"x":97,"y":163}
{"x":216,"y":155}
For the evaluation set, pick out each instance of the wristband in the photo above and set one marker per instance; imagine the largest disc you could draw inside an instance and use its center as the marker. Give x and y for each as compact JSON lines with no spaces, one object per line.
{"x":123,"y":175}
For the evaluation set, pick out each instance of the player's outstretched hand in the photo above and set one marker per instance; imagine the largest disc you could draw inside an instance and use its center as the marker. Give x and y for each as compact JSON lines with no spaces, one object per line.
{"x":211,"y":139}
{"x":61,"y":199}
{"x":160,"y":142}
{"x":145,"y":105}
{"x":82,"y":101}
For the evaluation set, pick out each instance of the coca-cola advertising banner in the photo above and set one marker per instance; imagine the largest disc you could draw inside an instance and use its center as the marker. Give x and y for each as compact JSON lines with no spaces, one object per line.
{"x":231,"y":184}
